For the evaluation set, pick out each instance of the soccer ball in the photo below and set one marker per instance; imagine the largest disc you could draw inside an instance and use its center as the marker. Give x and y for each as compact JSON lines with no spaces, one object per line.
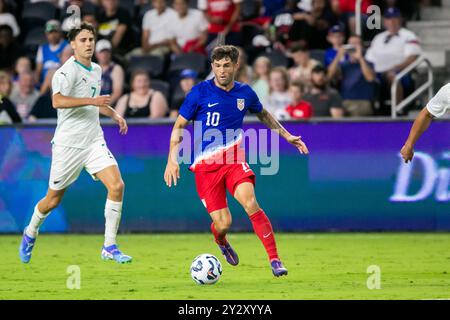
{"x":206,"y":269}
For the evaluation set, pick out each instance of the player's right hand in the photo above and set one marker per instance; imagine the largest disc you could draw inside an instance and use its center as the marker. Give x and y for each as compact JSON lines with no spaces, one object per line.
{"x":407,"y":153}
{"x":172,"y":173}
{"x":102,"y":101}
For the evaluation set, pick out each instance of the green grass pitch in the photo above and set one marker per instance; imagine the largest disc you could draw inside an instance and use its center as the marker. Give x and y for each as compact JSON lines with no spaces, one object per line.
{"x":321,"y":266}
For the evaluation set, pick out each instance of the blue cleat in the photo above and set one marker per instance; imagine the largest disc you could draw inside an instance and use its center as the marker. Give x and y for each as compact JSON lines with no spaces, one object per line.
{"x":113,"y":253}
{"x":230,"y":255}
{"x":278,"y":269}
{"x":26,"y":247}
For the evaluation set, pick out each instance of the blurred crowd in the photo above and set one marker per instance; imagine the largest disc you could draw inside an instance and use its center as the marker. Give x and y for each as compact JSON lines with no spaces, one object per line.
{"x":303,"y":58}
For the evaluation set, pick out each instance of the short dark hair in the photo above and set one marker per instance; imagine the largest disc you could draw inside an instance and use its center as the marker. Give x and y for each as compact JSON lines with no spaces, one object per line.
{"x":83,"y":26}
{"x":221,"y":52}
{"x":319,"y":69}
{"x":298,"y":85}
{"x":299,"y":47}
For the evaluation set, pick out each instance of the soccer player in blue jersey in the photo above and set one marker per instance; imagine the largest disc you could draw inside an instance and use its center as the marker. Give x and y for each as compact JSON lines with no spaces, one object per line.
{"x":220,"y":105}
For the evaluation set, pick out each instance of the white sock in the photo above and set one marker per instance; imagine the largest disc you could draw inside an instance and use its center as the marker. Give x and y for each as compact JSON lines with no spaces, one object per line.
{"x":37,"y":219}
{"x":113,"y":211}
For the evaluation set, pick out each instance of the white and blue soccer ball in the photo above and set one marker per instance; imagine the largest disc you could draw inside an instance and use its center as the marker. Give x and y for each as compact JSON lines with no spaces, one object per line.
{"x":206,"y":269}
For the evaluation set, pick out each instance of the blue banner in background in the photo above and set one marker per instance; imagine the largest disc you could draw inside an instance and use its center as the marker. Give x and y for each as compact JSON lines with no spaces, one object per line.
{"x":353,"y":180}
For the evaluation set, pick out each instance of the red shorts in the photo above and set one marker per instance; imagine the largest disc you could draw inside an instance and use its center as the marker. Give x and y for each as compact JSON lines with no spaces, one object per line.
{"x":212,"y":185}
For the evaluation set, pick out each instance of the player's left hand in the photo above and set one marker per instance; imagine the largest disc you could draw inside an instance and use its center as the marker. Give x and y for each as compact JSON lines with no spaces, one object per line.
{"x":123,"y":127}
{"x":298,"y":143}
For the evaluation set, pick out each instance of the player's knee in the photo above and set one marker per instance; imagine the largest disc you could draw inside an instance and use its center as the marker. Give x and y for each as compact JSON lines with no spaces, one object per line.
{"x":250,"y":204}
{"x":222,"y":227}
{"x":117,"y":187}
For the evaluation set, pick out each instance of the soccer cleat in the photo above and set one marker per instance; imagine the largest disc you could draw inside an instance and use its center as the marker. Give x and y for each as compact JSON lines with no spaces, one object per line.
{"x":113,"y":253}
{"x":26,"y":247}
{"x":278,"y":269}
{"x":229,"y":253}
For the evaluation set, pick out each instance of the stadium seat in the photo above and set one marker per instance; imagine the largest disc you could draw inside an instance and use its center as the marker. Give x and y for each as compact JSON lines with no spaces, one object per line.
{"x":161,"y":86}
{"x":318,"y":55}
{"x":277,"y":58}
{"x":129,"y":6}
{"x":193,"y":4}
{"x":34,"y":39}
{"x":42,"y":10}
{"x":193,"y":61}
{"x":152,"y":64}
{"x":250,"y":9}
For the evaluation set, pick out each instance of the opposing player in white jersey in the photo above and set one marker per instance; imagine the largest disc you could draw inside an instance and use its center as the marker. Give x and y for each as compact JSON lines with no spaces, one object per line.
{"x":436,"y":107}
{"x":79,"y":143}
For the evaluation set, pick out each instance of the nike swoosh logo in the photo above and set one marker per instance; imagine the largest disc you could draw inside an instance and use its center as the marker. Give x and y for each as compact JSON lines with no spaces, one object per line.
{"x":212,"y":105}
{"x":267,"y":235}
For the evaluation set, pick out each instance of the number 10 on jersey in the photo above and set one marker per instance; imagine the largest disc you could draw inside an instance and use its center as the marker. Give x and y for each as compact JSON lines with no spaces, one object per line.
{"x":213,"y":119}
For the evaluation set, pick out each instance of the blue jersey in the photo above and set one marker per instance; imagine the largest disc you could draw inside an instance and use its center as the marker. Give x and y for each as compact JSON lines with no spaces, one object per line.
{"x":218,"y":114}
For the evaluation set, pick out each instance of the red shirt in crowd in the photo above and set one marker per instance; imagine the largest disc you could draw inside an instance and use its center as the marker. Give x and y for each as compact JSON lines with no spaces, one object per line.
{"x":220,"y":8}
{"x":349,"y":6}
{"x":302,"y":110}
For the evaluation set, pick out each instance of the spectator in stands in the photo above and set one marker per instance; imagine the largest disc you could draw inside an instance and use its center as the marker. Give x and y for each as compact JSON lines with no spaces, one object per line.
{"x":113,"y":74}
{"x":49,"y":54}
{"x":314,"y":25}
{"x":357,"y":78}
{"x":346,"y":9}
{"x":114,"y":24}
{"x":22,"y":64}
{"x":223,"y":17}
{"x":282,"y":32}
{"x":272,"y":7}
{"x":244,"y":72}
{"x":278,"y":98}
{"x":298,"y":109}
{"x":9,"y":48}
{"x":43,"y":108}
{"x":392,"y":51}
{"x":6,"y":84}
{"x":7,"y":18}
{"x":87,"y":8}
{"x":47,"y":84}
{"x":189,"y":29}
{"x":336,"y":37}
{"x":142,"y":101}
{"x":301,"y":71}
{"x":261,"y":74}
{"x":157,"y":30}
{"x":326,"y":101}
{"x":8,"y":113}
{"x":24,"y":94}
{"x":188,"y":79}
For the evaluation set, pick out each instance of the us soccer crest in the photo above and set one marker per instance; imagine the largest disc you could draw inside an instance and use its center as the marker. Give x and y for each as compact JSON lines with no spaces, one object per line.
{"x":241,"y":104}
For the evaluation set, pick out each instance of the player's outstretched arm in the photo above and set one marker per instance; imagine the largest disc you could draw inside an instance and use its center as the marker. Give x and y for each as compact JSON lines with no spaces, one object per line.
{"x":60,"y":101}
{"x":172,"y":172}
{"x":110,"y":112}
{"x":420,"y":125}
{"x":270,"y":121}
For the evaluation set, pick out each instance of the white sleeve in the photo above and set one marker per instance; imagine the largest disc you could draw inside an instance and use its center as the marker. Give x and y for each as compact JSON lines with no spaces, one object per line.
{"x":146,"y":21}
{"x":440,"y":103}
{"x":412,"y":46}
{"x":39,"y":55}
{"x":61,"y":83}
{"x":237,"y":1}
{"x":203,"y":22}
{"x":202,"y":5}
